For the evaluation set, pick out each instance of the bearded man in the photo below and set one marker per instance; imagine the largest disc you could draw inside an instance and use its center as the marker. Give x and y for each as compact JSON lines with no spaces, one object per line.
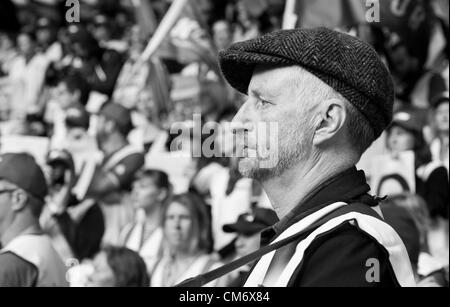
{"x":331,"y":97}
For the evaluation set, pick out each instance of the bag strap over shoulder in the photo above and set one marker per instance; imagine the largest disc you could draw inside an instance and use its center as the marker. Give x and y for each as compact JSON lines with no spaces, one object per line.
{"x":204,"y":279}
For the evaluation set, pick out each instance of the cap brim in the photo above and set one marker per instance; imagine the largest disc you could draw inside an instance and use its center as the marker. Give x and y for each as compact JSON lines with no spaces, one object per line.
{"x":237,"y":66}
{"x":243,"y":228}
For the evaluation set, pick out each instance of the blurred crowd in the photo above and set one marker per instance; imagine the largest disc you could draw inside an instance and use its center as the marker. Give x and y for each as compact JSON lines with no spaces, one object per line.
{"x":123,"y":206}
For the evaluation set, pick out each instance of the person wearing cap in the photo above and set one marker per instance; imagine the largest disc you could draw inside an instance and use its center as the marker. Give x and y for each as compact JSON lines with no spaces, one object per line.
{"x":101,"y":28}
{"x":106,"y":32}
{"x":248,"y":228}
{"x":116,"y":173}
{"x":431,"y":178}
{"x":440,"y":145}
{"x":330,"y":97}
{"x":75,"y":227}
{"x":27,"y":257}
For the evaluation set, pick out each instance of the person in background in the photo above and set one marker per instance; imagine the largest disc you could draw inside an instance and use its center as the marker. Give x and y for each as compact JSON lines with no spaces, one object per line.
{"x":408,"y":215}
{"x":104,"y":29}
{"x":151,"y":190}
{"x":440,"y":122}
{"x":27,"y":257}
{"x":118,"y":267}
{"x":72,"y":92}
{"x":46,"y":35}
{"x":114,"y":177}
{"x":406,"y":134}
{"x":131,"y":80}
{"x":187,"y":240}
{"x":100,"y":67}
{"x":75,"y":138}
{"x":76,"y":228}
{"x":147,"y":118}
{"x":222,"y":34}
{"x":248,"y":228}
{"x":247,"y":26}
{"x":77,"y":123}
{"x":26,"y":77}
{"x":8,"y":52}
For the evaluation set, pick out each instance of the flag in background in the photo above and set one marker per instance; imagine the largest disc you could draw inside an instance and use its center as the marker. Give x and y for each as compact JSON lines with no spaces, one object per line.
{"x":325,"y":13}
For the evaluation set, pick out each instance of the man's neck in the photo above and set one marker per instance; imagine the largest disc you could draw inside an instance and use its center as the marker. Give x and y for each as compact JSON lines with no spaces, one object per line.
{"x":114,"y":143}
{"x":291,"y":188}
{"x":18,"y":228}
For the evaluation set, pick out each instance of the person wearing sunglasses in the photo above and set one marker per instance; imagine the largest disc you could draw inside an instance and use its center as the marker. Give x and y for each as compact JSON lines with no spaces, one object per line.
{"x":27,"y":257}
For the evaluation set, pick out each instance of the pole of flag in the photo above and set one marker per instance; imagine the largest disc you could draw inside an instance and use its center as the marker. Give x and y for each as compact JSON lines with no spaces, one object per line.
{"x":164,"y":28}
{"x":160,"y":34}
{"x":290,"y":18}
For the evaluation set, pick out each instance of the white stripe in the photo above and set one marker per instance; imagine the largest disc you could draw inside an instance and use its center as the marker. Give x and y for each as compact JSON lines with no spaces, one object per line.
{"x":260,"y":270}
{"x":379,"y":230}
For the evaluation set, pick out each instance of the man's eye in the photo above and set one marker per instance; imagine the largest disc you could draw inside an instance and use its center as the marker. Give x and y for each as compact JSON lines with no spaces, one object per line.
{"x":262,"y":103}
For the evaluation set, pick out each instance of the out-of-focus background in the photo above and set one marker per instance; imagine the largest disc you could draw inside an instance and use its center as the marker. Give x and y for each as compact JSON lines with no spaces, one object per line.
{"x":137,"y":67}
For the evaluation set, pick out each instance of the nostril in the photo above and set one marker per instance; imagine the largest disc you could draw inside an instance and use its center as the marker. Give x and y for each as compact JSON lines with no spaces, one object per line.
{"x":237,"y":127}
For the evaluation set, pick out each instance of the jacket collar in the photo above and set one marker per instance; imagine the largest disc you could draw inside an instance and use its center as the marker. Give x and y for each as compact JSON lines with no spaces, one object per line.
{"x":348,"y":186}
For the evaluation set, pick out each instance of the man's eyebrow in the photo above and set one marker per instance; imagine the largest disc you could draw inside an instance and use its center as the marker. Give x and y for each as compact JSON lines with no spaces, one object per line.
{"x":259,"y":94}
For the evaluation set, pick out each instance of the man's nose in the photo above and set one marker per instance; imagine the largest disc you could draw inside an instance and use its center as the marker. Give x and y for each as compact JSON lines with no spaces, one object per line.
{"x":241,"y":121}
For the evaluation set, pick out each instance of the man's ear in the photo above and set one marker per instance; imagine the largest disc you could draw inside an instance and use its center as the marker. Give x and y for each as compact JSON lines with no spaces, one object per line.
{"x":332,"y":117}
{"x":20,"y":199}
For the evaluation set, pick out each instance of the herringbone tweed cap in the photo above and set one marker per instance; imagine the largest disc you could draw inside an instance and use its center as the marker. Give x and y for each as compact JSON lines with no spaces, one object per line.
{"x":345,"y":63}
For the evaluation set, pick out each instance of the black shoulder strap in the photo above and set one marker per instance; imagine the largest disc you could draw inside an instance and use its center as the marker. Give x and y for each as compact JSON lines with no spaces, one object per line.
{"x":204,"y":279}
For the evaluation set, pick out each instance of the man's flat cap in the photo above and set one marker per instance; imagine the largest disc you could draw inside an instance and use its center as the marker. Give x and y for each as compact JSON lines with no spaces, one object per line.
{"x":347,"y":64}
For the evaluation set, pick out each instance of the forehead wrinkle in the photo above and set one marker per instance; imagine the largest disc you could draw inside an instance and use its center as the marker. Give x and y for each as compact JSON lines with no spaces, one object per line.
{"x":271,"y":81}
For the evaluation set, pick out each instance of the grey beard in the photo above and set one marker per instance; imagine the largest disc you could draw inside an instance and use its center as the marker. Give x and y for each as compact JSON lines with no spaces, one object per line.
{"x":287,"y":159}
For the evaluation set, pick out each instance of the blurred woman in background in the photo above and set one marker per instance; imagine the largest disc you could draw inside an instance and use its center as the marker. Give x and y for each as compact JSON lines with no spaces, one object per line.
{"x":406,"y":134}
{"x":150,"y":192}
{"x":188,"y":243}
{"x":118,"y":267}
{"x":432,"y":181}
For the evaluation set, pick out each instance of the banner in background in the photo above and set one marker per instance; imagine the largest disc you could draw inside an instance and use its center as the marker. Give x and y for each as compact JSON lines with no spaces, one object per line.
{"x":325,"y":13}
